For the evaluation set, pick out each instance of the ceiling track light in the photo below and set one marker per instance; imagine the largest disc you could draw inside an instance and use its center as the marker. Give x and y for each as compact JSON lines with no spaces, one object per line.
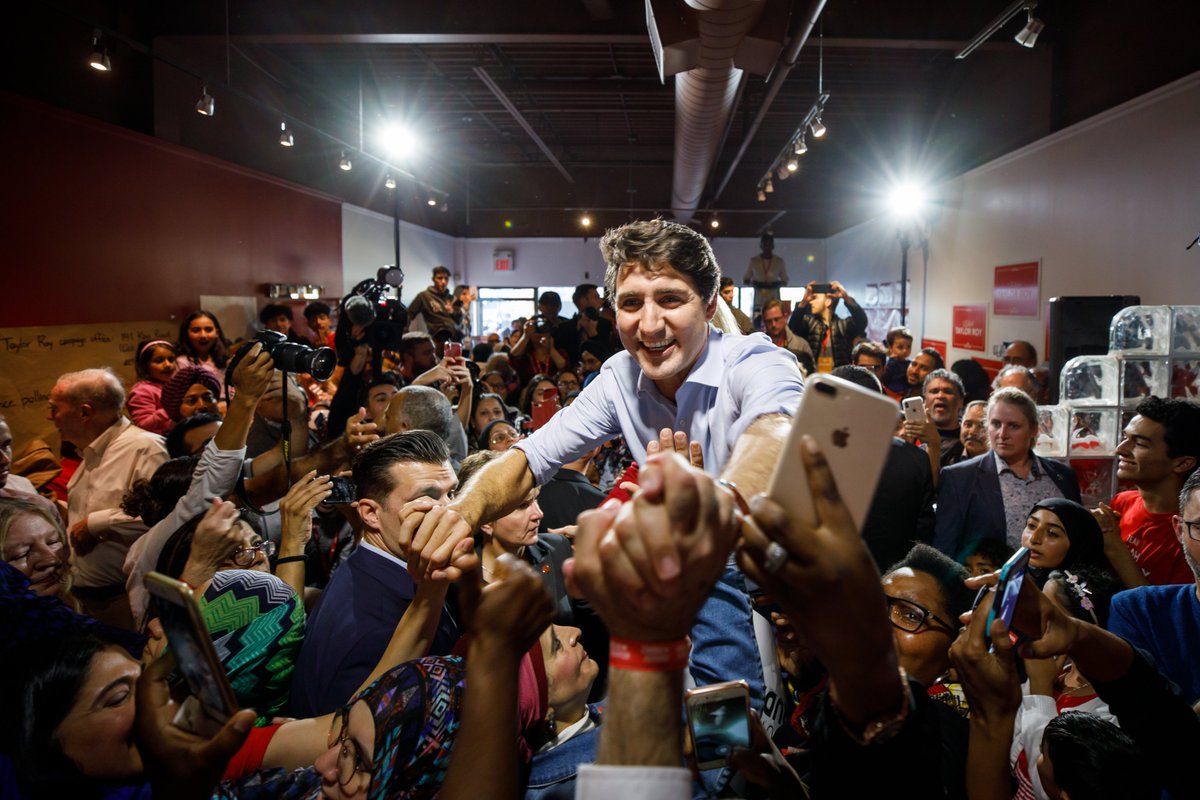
{"x":206,"y":105}
{"x":285,"y":136}
{"x":714,"y":223}
{"x":769,"y":187}
{"x":818,"y":127}
{"x":1014,"y":8}
{"x":1033,"y":26}
{"x":793,"y":164}
{"x":431,"y":200}
{"x":801,"y":146}
{"x":99,"y":60}
{"x":782,"y":172}
{"x":345,"y":164}
{"x":390,"y":182}
{"x":762,"y":196}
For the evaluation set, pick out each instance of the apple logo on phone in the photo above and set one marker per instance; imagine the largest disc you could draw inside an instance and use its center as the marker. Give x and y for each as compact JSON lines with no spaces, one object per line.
{"x":841,"y":437}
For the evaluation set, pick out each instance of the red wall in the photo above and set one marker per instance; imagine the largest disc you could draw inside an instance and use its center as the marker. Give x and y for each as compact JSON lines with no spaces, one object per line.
{"x":106,"y":225}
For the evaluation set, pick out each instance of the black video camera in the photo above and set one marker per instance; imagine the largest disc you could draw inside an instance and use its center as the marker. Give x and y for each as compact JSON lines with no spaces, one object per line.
{"x":288,"y":356}
{"x":374,"y":305}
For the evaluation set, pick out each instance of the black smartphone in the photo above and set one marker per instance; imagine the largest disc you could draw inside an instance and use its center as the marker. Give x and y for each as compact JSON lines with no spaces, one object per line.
{"x":342,"y":491}
{"x":822,"y":288}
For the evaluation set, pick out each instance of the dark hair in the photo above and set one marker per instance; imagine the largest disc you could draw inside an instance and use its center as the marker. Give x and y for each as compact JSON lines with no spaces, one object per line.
{"x":596,"y":348}
{"x":220,"y":349}
{"x":53,"y":673}
{"x":273,"y":310}
{"x":996,"y":551}
{"x":481,"y":352}
{"x":943,"y":375}
{"x":389,"y":378}
{"x":860,"y":376}
{"x":1101,"y":585}
{"x":175,"y":445}
{"x":974,"y":379}
{"x":938,"y":361}
{"x":373,"y":465}
{"x":479,"y":401}
{"x":581,"y":290}
{"x":868,"y":348}
{"x":525,"y":403}
{"x":1093,"y":759}
{"x":145,"y":352}
{"x":1181,"y":420}
{"x":410,"y":340}
{"x":899,"y":332}
{"x":154,"y":499}
{"x":948,"y":573}
{"x":315,"y":309}
{"x":178,"y":548}
{"x":655,"y":242}
{"x":441,"y":270}
{"x":726,"y":281}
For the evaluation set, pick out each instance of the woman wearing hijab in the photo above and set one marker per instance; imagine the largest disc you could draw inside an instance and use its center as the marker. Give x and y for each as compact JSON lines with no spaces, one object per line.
{"x":1061,"y":534}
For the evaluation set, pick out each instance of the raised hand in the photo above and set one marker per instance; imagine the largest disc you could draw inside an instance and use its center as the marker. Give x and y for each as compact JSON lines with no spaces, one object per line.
{"x":296,"y":507}
{"x":677,"y":442}
{"x":253,"y":374}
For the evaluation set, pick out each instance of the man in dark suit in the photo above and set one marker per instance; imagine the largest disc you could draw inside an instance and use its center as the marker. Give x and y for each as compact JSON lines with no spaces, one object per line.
{"x":348,"y":632}
{"x":990,"y":496}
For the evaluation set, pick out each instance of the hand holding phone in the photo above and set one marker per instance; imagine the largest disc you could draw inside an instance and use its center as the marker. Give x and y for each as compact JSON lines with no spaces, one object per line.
{"x":914,"y":410}
{"x":546,"y":408}
{"x":1008,"y":593}
{"x":719,"y":721}
{"x":454,"y":350}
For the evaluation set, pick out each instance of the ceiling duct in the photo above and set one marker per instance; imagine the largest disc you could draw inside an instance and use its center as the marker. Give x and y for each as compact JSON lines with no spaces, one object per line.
{"x":706,"y":45}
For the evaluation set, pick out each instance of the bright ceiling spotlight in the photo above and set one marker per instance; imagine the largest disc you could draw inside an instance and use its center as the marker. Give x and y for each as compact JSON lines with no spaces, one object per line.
{"x":431,"y":200}
{"x":585,"y":221}
{"x":906,"y":201}
{"x":818,"y":127}
{"x":793,"y":164}
{"x":801,"y":146}
{"x":762,"y":196}
{"x":1033,"y":26}
{"x":345,"y":164}
{"x":285,"y":136}
{"x":398,"y":141}
{"x":99,"y":59}
{"x":714,"y":223}
{"x":390,"y":182}
{"x":206,"y":105}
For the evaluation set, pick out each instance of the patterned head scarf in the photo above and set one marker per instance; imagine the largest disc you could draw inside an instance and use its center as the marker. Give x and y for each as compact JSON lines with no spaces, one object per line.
{"x":257,"y":625}
{"x":183,"y":379}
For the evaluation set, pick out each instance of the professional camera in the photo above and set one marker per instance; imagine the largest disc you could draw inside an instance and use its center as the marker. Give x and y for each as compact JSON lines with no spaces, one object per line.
{"x":288,"y":356}
{"x":374,"y":305}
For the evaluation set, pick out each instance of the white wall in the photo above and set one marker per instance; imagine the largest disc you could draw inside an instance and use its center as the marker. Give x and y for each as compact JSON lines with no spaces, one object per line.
{"x":1107,"y":205}
{"x":367,"y":245}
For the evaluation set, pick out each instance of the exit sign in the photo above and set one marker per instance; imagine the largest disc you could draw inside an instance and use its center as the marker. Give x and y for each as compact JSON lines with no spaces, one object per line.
{"x":503,"y":260}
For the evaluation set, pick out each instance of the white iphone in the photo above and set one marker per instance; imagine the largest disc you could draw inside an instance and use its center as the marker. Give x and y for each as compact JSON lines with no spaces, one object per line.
{"x":853,"y":427}
{"x":914,"y":410}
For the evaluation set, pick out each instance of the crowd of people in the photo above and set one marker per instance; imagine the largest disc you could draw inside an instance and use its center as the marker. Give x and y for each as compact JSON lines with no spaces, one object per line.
{"x":492,"y":564}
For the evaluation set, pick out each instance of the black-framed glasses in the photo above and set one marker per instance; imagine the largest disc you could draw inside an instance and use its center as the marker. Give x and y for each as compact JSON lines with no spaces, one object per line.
{"x":912,"y":618}
{"x":1192,"y":527}
{"x":246,"y":556}
{"x":349,"y":758}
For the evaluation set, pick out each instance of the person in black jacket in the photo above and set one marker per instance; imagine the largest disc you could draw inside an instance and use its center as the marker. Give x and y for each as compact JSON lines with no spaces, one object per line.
{"x":831,"y":338}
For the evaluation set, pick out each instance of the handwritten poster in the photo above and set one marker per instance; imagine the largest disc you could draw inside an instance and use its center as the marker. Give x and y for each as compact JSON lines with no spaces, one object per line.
{"x":31,"y":359}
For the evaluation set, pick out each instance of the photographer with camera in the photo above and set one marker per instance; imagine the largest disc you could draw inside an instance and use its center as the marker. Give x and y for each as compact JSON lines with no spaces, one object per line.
{"x":587,"y":324}
{"x":536,"y":353}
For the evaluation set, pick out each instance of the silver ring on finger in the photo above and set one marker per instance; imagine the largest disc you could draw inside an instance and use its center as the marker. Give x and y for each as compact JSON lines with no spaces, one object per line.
{"x":777,"y":556}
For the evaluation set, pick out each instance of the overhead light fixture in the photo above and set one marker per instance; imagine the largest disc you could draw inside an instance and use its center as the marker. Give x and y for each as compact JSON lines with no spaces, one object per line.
{"x":206,"y":105}
{"x":999,"y":22}
{"x":762,"y":196}
{"x":398,"y":141}
{"x":99,"y":60}
{"x":714,"y":223}
{"x":431,"y":200}
{"x":285,"y":136}
{"x":768,"y":188}
{"x":345,"y":164}
{"x":585,"y":221}
{"x":818,"y":127}
{"x":390,"y":182}
{"x":793,"y":164}
{"x":782,"y":172}
{"x":1033,"y":26}
{"x":801,"y":146}
{"x":907,"y":201}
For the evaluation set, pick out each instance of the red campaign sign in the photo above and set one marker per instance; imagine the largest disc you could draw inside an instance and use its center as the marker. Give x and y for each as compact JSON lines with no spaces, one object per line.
{"x":970,"y":328}
{"x":936,"y":344}
{"x":1015,"y":290}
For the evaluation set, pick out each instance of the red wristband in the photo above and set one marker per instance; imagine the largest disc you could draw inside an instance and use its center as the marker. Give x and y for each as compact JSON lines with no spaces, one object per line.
{"x":649,"y":656}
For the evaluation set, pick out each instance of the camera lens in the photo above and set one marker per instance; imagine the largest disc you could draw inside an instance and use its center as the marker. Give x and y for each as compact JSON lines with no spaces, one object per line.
{"x":299,"y":358}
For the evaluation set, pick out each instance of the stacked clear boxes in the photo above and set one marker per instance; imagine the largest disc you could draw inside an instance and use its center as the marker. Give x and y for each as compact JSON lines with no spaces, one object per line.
{"x":1153,"y":350}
